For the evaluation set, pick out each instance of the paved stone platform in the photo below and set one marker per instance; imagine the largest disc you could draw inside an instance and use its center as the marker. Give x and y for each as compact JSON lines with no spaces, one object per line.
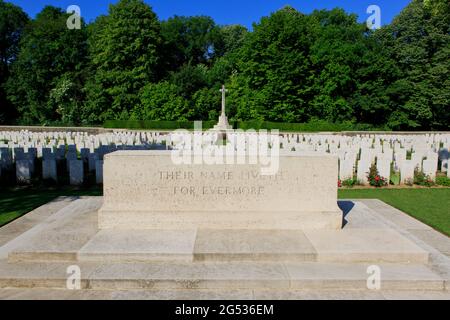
{"x":36,"y":250}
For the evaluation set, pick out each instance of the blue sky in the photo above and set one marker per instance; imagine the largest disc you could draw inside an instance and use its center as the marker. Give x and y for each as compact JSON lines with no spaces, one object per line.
{"x":243,"y":12}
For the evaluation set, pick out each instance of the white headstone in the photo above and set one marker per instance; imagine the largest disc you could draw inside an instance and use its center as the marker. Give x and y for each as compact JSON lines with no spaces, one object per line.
{"x":49,"y":169}
{"x":407,"y":171}
{"x":23,"y":171}
{"x":76,"y":172}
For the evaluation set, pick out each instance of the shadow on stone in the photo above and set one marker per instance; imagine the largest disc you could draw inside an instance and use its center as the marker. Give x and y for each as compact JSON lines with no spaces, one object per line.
{"x":346,"y":207}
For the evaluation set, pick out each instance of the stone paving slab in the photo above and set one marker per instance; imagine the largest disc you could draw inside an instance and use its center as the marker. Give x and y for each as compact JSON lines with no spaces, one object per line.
{"x":394,"y":215}
{"x":232,"y":275}
{"x":354,"y":276}
{"x":365,"y":245}
{"x":189,"y":275}
{"x":358,"y":216}
{"x":439,"y":241}
{"x":253,"y":245}
{"x":139,"y":245}
{"x":58,"y":237}
{"x":318,"y":295}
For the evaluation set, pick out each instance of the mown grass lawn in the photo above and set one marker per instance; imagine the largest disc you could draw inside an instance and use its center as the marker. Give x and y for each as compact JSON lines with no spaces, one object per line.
{"x":431,"y":206}
{"x":16,"y":202}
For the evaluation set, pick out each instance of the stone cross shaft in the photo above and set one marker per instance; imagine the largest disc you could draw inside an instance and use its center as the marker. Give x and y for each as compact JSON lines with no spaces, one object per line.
{"x":223,"y":90}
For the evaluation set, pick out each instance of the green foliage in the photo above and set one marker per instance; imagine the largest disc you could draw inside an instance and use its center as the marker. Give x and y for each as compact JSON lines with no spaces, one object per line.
{"x":419,"y":42}
{"x":189,"y":40}
{"x":274,"y":65}
{"x":312,"y":126}
{"x":443,"y":181}
{"x":161,"y":101}
{"x":350,"y":183}
{"x":395,"y":178}
{"x":375,"y":180}
{"x":49,"y":51}
{"x":206,"y":104}
{"x":155,"y":125}
{"x":421,"y":179}
{"x":63,"y":99}
{"x":124,"y":51}
{"x":12,"y":23}
{"x":232,"y":38}
{"x":319,"y":72}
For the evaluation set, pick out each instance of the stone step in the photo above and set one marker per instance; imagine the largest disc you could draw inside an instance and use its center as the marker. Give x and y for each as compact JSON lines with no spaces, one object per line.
{"x":221,"y":276}
{"x":212,"y":294}
{"x":350,"y":245}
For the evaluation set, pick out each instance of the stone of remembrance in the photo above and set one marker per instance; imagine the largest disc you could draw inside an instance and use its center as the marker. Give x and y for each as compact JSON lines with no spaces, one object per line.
{"x":145,"y":190}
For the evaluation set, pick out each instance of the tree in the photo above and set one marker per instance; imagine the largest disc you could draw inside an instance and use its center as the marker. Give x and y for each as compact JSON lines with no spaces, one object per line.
{"x":233,"y":37}
{"x":48,"y":51}
{"x":190,"y":40}
{"x":12,"y":22}
{"x":292,"y":67}
{"x":274,"y":62}
{"x":125,"y":52}
{"x":419,"y":42}
{"x":161,"y":101}
{"x":190,"y":79}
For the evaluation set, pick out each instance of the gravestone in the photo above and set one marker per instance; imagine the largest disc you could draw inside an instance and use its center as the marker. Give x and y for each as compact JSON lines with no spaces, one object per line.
{"x":19,"y":154}
{"x":444,"y":157}
{"x":346,"y":169}
{"x":71,"y":156}
{"x":49,"y":169}
{"x":76,"y":172}
{"x":99,"y":171}
{"x":430,"y":168}
{"x":362,"y":170}
{"x":61,"y":153}
{"x":92,"y":158}
{"x":146,"y":190}
{"x":47,"y":154}
{"x":23,"y":171}
{"x":407,"y":171}
{"x":5,"y":158}
{"x":384,"y":168}
{"x":84,"y":152}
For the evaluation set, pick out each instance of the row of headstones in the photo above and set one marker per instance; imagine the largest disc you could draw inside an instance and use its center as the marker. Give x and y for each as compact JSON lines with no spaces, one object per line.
{"x":357,"y":154}
{"x":349,"y":166}
{"x":24,"y":162}
{"x":81,"y":140}
{"x":386,"y":148}
{"x":318,"y":142}
{"x":299,"y":142}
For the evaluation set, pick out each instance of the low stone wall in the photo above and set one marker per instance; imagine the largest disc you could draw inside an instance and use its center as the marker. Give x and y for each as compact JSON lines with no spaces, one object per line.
{"x":89,"y":130}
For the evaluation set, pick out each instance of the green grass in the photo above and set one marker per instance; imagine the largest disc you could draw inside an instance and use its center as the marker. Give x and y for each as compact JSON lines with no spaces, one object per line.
{"x":431,"y":206}
{"x":16,"y":202}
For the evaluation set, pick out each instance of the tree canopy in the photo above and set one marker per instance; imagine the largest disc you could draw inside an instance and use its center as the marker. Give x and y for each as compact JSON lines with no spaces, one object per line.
{"x":292,"y":67}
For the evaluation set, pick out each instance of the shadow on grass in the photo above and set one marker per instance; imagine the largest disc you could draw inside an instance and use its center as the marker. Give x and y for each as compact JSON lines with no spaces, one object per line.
{"x":18,"y":201}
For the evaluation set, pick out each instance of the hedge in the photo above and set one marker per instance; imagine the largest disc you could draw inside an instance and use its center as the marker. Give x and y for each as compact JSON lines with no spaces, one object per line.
{"x":151,"y":125}
{"x":314,"y":126}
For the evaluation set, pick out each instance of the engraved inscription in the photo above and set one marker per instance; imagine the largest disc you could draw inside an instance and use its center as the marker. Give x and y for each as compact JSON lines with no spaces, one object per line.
{"x":245,"y":182}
